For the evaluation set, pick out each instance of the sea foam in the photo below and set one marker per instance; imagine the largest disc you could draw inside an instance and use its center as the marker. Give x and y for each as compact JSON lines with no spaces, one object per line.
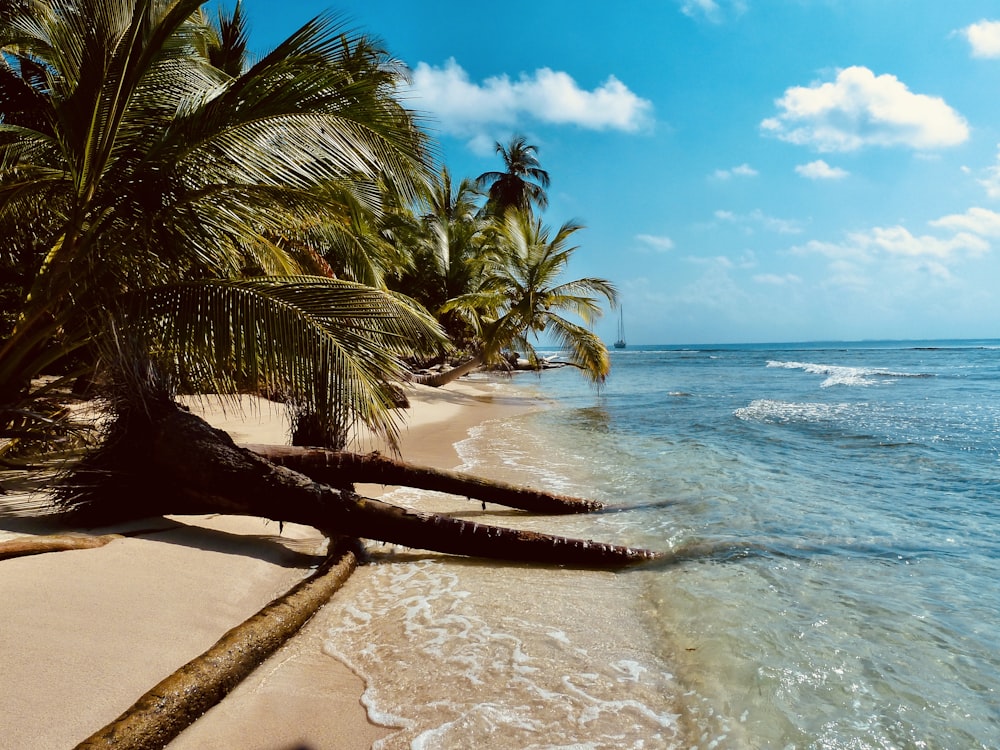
{"x":847,"y":376}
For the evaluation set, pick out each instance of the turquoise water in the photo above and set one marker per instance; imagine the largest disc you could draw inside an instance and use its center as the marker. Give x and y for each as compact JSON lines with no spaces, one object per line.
{"x":843,"y":507}
{"x":833,"y":513}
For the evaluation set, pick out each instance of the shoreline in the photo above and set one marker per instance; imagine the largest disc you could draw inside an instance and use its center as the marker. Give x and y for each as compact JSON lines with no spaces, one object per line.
{"x":147,"y":604}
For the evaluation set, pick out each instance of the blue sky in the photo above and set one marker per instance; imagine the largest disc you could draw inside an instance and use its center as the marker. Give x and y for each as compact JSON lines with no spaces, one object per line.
{"x":747,"y":170}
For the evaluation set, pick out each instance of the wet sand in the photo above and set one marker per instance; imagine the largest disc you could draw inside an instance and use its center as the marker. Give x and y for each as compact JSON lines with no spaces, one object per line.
{"x":84,"y":633}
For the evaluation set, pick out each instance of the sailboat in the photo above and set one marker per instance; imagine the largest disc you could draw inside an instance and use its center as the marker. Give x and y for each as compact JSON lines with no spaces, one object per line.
{"x":620,"y":343}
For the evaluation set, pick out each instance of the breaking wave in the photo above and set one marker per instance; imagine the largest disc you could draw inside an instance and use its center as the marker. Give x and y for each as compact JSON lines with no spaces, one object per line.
{"x":849,"y":376}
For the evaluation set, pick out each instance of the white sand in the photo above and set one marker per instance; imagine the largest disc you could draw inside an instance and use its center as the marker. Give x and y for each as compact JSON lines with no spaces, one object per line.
{"x":85,"y":633}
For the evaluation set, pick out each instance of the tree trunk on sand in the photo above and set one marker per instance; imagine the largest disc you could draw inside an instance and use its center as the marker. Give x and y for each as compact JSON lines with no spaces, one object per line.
{"x":439,"y":379}
{"x":181,"y":465}
{"x":36,"y":545}
{"x":177,"y":701}
{"x":342,"y":469}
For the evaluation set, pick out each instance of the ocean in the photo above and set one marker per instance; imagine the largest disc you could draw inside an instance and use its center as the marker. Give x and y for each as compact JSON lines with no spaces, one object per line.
{"x":832,"y":517}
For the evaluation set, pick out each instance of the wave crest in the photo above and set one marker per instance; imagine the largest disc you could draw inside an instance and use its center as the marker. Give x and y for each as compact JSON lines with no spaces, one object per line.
{"x":849,"y":376}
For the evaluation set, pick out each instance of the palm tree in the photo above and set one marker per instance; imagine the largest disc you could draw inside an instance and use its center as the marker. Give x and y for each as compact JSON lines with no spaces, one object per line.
{"x":521,"y":295}
{"x":521,"y":184}
{"x":163,"y":207}
{"x":227,"y":47}
{"x":162,"y":201}
{"x":448,"y":239}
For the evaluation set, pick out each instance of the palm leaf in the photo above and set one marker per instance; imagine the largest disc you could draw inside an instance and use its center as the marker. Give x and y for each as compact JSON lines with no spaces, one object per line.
{"x":280,"y":335}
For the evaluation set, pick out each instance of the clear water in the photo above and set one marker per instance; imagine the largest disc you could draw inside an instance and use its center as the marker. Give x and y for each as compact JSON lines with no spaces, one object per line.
{"x":833,"y":516}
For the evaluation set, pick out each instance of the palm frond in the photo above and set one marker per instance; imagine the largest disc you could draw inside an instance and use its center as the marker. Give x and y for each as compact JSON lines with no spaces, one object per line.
{"x":324,"y":343}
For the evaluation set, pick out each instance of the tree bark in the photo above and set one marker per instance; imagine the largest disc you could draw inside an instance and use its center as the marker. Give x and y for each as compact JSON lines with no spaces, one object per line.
{"x":178,"y":700}
{"x":341,"y":469}
{"x":36,"y":545}
{"x":439,"y":379}
{"x":187,"y":467}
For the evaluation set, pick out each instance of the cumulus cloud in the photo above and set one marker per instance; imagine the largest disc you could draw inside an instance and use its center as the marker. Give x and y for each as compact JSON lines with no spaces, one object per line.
{"x":899,"y":242}
{"x":980,"y":221}
{"x":464,"y":107}
{"x":984,"y":38}
{"x":743,"y":170}
{"x":655,"y":243}
{"x":861,"y":109}
{"x":820,"y":170}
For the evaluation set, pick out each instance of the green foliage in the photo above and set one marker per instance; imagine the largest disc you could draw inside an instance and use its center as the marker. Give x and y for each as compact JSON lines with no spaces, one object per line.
{"x":521,"y":184}
{"x":520,"y":295}
{"x":140,"y":155}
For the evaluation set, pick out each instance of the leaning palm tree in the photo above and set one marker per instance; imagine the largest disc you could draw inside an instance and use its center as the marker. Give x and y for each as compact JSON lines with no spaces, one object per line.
{"x":521,"y":184}
{"x":170,"y":203}
{"x":149,"y":175}
{"x":521,"y":295}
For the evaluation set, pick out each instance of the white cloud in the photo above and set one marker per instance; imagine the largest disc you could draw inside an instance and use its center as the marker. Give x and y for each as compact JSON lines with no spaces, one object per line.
{"x":705,"y":8}
{"x":743,"y":170}
{"x":820,"y":170}
{"x":774,"y":279}
{"x":711,"y":10}
{"x":861,"y":109}
{"x":980,"y":221}
{"x":991,"y":182}
{"x":898,"y":242}
{"x":655,"y":243}
{"x":464,"y":107}
{"x":984,"y":38}
{"x":758,"y":218}
{"x":894,"y":256}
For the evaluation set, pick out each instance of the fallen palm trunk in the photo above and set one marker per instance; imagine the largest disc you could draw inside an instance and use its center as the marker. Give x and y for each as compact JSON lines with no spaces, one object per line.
{"x":440,"y":379}
{"x":36,"y":545}
{"x":340,"y":469}
{"x":181,"y":465}
{"x":177,"y":701}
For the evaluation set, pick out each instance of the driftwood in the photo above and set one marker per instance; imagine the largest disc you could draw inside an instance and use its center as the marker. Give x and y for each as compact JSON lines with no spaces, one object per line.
{"x":181,"y":465}
{"x":177,"y":701}
{"x":341,"y":469}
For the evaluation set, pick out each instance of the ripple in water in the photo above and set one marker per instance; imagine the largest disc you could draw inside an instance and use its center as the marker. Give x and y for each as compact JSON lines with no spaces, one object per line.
{"x":457,"y":654}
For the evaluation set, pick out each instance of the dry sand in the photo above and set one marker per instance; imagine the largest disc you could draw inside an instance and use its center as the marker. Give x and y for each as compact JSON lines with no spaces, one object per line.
{"x":84,"y":633}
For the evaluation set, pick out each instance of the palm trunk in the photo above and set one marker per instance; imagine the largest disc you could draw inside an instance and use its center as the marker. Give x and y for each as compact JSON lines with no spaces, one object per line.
{"x":186,"y":467}
{"x":439,"y":379}
{"x":177,"y":701}
{"x":37,"y":545}
{"x":341,"y":469}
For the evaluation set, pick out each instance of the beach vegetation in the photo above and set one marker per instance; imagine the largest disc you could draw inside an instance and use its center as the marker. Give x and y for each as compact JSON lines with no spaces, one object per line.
{"x":519,"y":291}
{"x":523,"y":290}
{"x":156,"y":188}
{"x":447,"y":237}
{"x":176,"y":219}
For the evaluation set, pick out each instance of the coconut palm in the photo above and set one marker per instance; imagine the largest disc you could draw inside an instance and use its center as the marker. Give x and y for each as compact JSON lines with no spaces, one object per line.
{"x":161,"y":199}
{"x":521,"y":295}
{"x":448,"y":239}
{"x":164,"y":206}
{"x":521,"y":184}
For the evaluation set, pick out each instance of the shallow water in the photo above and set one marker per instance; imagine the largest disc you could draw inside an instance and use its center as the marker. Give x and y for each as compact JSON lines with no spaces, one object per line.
{"x":834,"y":515}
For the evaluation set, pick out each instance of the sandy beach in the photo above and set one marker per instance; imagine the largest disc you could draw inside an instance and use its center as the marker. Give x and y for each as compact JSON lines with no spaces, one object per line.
{"x":86,"y":632}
